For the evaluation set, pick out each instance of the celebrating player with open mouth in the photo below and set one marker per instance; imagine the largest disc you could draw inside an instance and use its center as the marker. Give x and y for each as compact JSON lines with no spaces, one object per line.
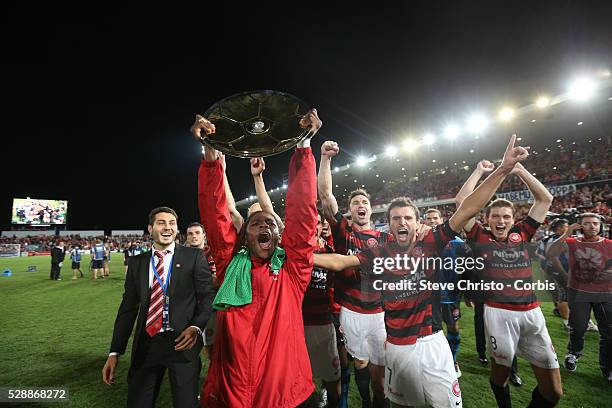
{"x":514,"y":322}
{"x":260,"y":357}
{"x":419,"y":364}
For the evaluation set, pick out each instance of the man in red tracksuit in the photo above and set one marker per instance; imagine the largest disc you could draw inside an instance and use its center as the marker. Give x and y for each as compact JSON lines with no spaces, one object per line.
{"x":260,"y":357}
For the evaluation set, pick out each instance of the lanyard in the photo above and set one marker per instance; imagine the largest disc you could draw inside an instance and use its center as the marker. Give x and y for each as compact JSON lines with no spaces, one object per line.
{"x":164,"y":285}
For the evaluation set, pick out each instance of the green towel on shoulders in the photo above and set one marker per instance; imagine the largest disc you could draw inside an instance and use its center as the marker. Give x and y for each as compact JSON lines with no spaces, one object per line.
{"x":236,"y":289}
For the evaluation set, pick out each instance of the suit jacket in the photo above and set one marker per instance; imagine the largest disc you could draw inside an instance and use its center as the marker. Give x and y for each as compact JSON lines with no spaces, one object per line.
{"x":57,"y":255}
{"x":191,"y":295}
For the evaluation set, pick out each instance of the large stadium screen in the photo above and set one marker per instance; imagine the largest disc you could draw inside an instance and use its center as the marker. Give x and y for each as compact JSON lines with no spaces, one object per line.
{"x":28,"y":211}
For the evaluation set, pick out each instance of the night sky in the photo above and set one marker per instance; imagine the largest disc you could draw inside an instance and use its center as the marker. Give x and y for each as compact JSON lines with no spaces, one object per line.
{"x":97,"y":107}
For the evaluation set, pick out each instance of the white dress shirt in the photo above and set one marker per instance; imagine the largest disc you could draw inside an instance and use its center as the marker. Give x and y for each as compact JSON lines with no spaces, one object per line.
{"x":168,"y":258}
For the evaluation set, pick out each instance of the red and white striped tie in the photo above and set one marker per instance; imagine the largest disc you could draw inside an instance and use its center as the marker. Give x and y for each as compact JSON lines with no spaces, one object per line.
{"x":156,"y":307}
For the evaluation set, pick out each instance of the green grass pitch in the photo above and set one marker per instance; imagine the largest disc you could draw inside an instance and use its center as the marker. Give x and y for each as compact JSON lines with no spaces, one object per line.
{"x":58,"y":334}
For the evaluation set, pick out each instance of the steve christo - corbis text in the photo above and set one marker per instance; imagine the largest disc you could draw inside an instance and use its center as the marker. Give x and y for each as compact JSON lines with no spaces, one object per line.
{"x":417,"y":281}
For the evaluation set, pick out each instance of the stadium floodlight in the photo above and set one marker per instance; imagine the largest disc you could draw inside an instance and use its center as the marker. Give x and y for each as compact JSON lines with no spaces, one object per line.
{"x":451,"y":131}
{"x":336,"y":169}
{"x":506,"y":114}
{"x":428,"y":139}
{"x":361,"y":161}
{"x":284,"y":186}
{"x":410,"y":145}
{"x":582,"y":88}
{"x":542,"y":102}
{"x":477,"y":123}
{"x":391,"y":151}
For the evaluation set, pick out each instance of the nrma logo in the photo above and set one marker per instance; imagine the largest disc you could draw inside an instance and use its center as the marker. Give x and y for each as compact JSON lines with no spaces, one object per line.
{"x":508,"y":255}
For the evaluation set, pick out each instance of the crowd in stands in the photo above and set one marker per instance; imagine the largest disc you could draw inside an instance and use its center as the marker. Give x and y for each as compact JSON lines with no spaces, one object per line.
{"x":585,"y":164}
{"x":573,"y":164}
{"x":44,"y":243}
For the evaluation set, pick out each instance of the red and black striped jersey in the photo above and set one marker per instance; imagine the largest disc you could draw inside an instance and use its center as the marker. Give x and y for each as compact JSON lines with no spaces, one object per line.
{"x":506,"y":263}
{"x":317,"y":299}
{"x":407,"y":304}
{"x":351,"y":289}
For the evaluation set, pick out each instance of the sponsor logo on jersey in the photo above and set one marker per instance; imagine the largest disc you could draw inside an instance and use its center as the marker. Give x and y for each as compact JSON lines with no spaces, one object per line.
{"x":515,"y":238}
{"x":508,"y":255}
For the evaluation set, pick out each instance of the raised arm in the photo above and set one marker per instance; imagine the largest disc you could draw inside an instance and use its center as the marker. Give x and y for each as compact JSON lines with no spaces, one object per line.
{"x":559,"y":246}
{"x":258,"y":165}
{"x":301,"y":208}
{"x":336,"y":262}
{"x":542,"y":197}
{"x":474,"y":202}
{"x":212,"y":202}
{"x":483,"y":167}
{"x":237,"y":219}
{"x":324,"y":180}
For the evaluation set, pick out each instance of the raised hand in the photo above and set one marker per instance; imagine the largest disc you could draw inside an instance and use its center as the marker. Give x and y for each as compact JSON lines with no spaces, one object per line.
{"x":311,"y":121}
{"x":572,"y":228}
{"x":330,"y":149}
{"x":514,"y":154}
{"x":202,"y":124}
{"x":258,"y":165}
{"x":485,"y":166}
{"x":421,"y":231}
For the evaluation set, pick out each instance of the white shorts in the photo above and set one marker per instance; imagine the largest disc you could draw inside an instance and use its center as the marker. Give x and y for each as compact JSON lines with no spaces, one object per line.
{"x":524,"y":333}
{"x":321,"y":344}
{"x":422,"y":373}
{"x":365,"y":335}
{"x":210,"y":329}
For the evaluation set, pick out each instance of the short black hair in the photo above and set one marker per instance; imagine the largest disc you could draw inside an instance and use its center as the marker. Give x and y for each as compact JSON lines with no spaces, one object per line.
{"x":357,"y":192}
{"x":400,"y":202}
{"x":499,"y":203}
{"x":158,"y":210}
{"x":558,"y":222}
{"x":195,"y":224}
{"x":429,"y":210}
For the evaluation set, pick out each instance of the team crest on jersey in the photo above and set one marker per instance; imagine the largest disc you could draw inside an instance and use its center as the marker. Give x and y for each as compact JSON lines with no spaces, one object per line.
{"x":456,"y":389}
{"x":418,"y":251}
{"x":372,"y":242}
{"x":515,"y":238}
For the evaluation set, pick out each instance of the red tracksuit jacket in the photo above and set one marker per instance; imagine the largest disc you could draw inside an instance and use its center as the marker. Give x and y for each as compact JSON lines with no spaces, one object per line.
{"x":259,"y":358}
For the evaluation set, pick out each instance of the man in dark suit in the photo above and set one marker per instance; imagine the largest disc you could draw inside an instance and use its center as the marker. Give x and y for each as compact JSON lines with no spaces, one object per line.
{"x":170,"y":291}
{"x":57,"y":257}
